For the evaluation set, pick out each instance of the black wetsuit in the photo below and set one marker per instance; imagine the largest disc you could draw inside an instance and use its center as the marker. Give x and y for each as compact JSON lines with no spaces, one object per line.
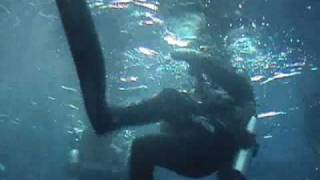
{"x":186,"y":147}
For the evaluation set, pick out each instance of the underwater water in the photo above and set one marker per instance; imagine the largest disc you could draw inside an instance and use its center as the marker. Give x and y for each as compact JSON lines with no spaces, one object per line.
{"x":43,"y":122}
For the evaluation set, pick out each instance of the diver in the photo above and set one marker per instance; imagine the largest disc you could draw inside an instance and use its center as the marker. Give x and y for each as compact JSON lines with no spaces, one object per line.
{"x":200,"y":132}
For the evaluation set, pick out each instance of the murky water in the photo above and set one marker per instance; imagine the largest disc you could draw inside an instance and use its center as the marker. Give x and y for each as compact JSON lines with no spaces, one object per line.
{"x":43,"y":122}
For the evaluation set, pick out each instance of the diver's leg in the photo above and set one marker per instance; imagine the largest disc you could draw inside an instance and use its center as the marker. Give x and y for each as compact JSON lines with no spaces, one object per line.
{"x":152,"y":150}
{"x":186,"y":156}
{"x":141,"y":165}
{"x":168,"y":104}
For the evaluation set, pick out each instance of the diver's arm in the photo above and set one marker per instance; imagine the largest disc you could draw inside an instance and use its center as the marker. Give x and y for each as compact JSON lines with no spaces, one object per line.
{"x":194,"y":58}
{"x":219,"y":71}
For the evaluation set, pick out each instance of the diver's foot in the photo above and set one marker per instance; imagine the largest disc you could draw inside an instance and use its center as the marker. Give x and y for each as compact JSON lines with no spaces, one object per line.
{"x":230,"y":174}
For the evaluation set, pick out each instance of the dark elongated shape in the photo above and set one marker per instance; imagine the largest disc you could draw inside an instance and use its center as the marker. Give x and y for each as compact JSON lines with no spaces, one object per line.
{"x":88,"y":58}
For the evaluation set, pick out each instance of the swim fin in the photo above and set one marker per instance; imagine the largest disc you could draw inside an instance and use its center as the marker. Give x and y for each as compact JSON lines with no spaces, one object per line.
{"x":88,"y":59}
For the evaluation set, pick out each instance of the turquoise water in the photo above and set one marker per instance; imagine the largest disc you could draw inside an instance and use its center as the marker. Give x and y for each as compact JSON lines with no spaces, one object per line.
{"x":42,"y":118}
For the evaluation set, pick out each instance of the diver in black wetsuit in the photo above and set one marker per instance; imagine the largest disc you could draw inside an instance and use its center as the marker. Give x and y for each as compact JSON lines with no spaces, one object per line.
{"x":201,"y":132}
